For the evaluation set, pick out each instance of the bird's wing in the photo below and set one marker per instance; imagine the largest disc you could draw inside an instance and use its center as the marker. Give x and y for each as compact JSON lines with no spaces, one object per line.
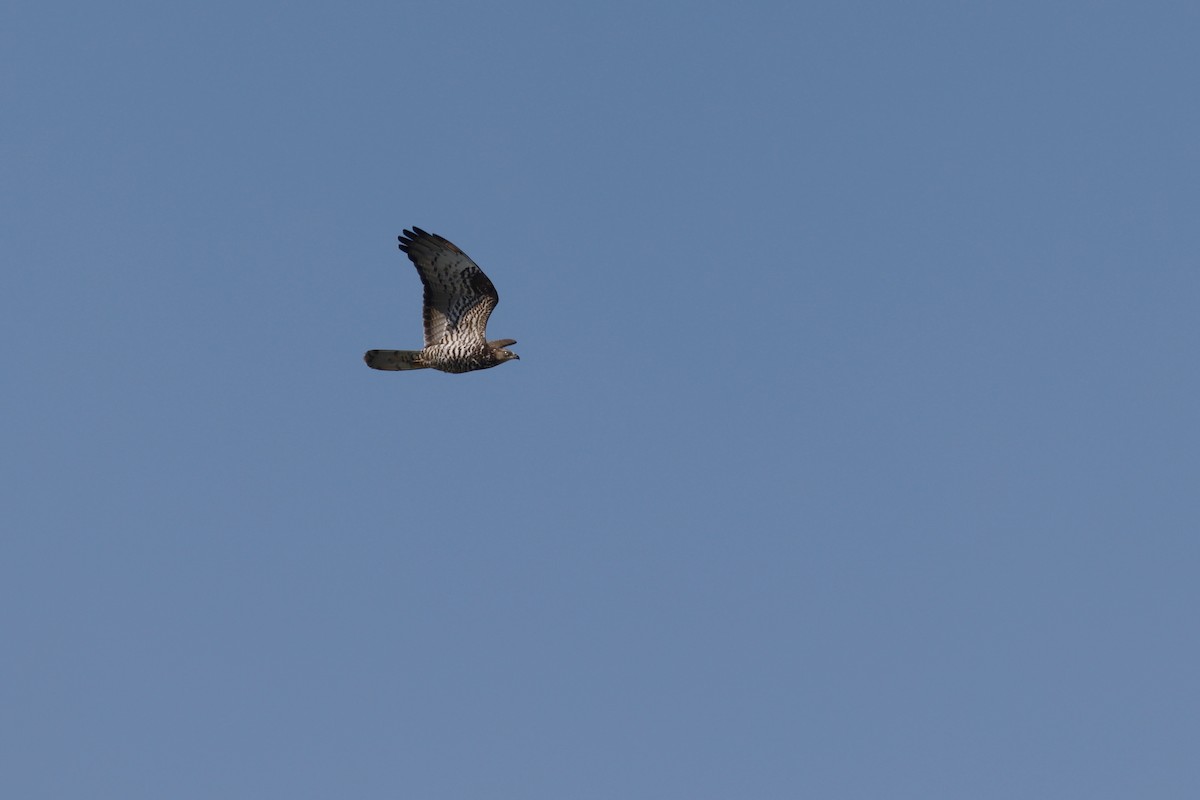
{"x":459,"y":298}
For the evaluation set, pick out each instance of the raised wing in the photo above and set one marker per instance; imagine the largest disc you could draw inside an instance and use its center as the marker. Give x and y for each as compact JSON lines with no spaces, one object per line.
{"x":459,"y":298}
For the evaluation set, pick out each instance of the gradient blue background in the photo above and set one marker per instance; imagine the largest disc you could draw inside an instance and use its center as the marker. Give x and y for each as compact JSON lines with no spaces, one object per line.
{"x":853,"y":452}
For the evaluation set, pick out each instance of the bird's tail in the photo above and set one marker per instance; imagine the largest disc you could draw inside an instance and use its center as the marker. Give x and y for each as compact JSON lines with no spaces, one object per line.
{"x":394,"y":359}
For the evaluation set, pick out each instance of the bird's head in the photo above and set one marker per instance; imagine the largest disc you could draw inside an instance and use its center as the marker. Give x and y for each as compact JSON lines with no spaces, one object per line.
{"x":499,"y":347}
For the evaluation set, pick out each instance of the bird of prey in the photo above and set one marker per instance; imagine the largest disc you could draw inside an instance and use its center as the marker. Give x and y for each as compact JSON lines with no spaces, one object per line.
{"x":459,"y":298}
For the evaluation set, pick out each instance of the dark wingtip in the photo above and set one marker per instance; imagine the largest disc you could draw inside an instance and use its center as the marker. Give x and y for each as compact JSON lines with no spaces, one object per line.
{"x":409,"y":238}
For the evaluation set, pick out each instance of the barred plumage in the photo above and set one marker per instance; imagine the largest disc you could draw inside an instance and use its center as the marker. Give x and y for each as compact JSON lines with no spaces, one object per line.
{"x":459,"y":298}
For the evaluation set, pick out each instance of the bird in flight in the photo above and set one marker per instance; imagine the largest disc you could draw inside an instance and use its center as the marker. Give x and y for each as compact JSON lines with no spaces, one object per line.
{"x":459,"y":298}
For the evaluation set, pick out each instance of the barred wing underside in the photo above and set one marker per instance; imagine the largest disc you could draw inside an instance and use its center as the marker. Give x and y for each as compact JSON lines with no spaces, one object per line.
{"x":459,"y":298}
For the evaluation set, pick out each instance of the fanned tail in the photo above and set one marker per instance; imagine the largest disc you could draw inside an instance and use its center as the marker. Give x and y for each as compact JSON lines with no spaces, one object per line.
{"x":394,"y":359}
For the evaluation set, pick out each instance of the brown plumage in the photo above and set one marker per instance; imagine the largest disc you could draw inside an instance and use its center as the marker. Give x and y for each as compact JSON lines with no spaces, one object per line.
{"x":459,"y":298}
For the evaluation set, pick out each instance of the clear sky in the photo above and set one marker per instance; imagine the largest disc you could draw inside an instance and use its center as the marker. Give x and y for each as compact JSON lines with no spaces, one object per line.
{"x":853,"y":451}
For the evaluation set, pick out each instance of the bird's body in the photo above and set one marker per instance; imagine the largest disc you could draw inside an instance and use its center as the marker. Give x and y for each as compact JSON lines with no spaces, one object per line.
{"x":459,"y":298}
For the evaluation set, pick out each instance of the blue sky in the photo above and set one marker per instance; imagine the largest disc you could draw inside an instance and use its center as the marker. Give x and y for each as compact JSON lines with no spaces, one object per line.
{"x":853,"y":450}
